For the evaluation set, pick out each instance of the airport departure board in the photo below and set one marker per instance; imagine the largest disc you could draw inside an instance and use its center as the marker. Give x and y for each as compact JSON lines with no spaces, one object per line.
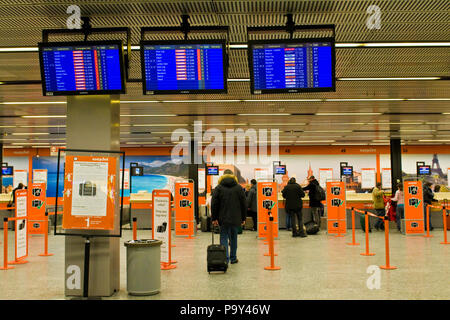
{"x":82,"y":68}
{"x":183,"y":67}
{"x":278,"y":67}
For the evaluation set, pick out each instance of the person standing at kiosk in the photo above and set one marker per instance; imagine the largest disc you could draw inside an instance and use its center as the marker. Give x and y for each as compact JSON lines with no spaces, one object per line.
{"x":293,"y":194}
{"x":428,"y":198}
{"x":252,"y":204}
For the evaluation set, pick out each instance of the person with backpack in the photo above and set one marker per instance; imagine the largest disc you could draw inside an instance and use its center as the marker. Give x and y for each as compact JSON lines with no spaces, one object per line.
{"x":400,"y":199}
{"x":293,"y":194}
{"x":378,"y":205}
{"x":228,"y":210}
{"x":316,"y":195}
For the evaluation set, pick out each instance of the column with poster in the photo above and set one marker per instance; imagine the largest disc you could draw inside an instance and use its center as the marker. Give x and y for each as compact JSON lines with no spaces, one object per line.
{"x":162,"y":226}
{"x":368,"y":178}
{"x":21,"y":234}
{"x":89,"y":192}
{"x":184,"y":209}
{"x":386,"y":178}
{"x":267,"y":199}
{"x":413,"y":222}
{"x":36,"y":209}
{"x":336,"y":208}
{"x":325,"y":174}
{"x":126,"y":179}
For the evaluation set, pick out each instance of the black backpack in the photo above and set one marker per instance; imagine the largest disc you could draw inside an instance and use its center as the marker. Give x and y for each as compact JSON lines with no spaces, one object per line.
{"x":319,"y":194}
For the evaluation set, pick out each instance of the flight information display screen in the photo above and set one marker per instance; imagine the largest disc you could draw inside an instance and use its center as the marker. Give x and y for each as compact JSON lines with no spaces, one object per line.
{"x":292,"y":66}
{"x":424,"y":170}
{"x":183,"y":67}
{"x":280,"y":169}
{"x":213,"y":171}
{"x":77,"y":68}
{"x":347,"y":171}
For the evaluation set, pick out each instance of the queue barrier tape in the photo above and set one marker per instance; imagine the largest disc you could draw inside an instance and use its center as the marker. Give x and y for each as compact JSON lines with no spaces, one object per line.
{"x":46,"y":253}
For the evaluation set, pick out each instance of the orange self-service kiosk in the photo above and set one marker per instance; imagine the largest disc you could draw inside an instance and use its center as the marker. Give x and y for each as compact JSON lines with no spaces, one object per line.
{"x":336,"y":207}
{"x":413,"y":221}
{"x":185,"y":224}
{"x":36,"y":208}
{"x":267,"y":198}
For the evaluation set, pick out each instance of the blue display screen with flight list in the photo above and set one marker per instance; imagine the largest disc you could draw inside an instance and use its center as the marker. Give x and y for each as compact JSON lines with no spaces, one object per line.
{"x":292,"y":66}
{"x":183,"y":67}
{"x":424,"y":170}
{"x":82,"y":68}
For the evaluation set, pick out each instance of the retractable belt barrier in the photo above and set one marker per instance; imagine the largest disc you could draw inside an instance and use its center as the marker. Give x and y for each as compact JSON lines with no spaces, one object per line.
{"x":134,"y":228}
{"x":353,"y":243}
{"x":46,"y":254}
{"x":5,"y":246}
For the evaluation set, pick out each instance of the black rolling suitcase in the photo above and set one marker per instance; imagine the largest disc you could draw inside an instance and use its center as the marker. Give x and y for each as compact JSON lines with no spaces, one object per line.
{"x":216,"y":257}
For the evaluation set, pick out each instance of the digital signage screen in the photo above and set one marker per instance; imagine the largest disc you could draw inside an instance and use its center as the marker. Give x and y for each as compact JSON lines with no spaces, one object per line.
{"x":213,"y":171}
{"x":171,"y":67}
{"x":82,"y":68}
{"x":280,"y":169}
{"x":347,"y":171}
{"x":291,"y":66}
{"x":7,"y":171}
{"x":423,"y":170}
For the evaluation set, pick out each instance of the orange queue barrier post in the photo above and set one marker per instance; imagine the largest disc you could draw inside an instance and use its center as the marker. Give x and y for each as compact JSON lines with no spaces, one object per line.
{"x":271,"y":248}
{"x":386,"y":240}
{"x":367,"y":253}
{"x":444,"y":217}
{"x":134,"y":228}
{"x":46,"y":254}
{"x":353,"y":243}
{"x":5,"y":246}
{"x":428,"y":235}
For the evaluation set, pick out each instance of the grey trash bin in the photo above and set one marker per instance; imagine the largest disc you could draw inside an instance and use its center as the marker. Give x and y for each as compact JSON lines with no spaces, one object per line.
{"x":143,"y":266}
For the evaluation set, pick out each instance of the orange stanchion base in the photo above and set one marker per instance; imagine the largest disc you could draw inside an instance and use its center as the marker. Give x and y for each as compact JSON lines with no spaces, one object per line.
{"x":272,"y":268}
{"x":388,"y":267}
{"x":445,"y":242}
{"x":367,"y":254}
{"x":7,"y":268}
{"x":339,"y":235}
{"x":268,"y":254}
{"x":353,"y":244}
{"x":428,"y":236}
{"x":45,"y":254}
{"x":18,"y":262}
{"x":165,"y":266}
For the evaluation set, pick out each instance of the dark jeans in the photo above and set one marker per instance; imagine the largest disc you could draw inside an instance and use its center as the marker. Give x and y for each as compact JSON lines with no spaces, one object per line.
{"x":288,"y":221}
{"x":228,"y":235}
{"x":254,"y":216}
{"x":379,"y":224}
{"x":399,"y":215}
{"x":297,"y":220}
{"x":425,"y":209}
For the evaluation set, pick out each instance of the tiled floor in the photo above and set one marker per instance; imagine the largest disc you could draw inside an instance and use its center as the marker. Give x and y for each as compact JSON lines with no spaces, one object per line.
{"x":317,"y":267}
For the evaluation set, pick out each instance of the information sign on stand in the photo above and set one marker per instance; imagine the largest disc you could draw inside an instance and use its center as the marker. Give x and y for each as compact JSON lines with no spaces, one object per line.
{"x":20,"y":176}
{"x":386,"y":178}
{"x":89,"y":192}
{"x":184,"y":209}
{"x":414,"y":224}
{"x":325,"y":174}
{"x":267,"y":198}
{"x":21,"y":234}
{"x":161,"y":229}
{"x":36,"y":208}
{"x":336,"y":208}
{"x":368,"y":178}
{"x":40,"y":176}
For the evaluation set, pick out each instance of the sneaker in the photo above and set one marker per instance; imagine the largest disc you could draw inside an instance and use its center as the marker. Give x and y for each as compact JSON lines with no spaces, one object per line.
{"x":234,"y":261}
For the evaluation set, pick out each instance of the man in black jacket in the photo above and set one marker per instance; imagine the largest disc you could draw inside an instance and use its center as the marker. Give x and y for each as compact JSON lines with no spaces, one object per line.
{"x":314,"y":195}
{"x":428,"y":198}
{"x":228,"y":210}
{"x":252,"y":204}
{"x":293,"y":194}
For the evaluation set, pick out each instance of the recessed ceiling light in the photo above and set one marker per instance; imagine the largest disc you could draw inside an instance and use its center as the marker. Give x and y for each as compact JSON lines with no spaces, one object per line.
{"x":29,"y":133}
{"x":46,"y":116}
{"x":348,"y":114}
